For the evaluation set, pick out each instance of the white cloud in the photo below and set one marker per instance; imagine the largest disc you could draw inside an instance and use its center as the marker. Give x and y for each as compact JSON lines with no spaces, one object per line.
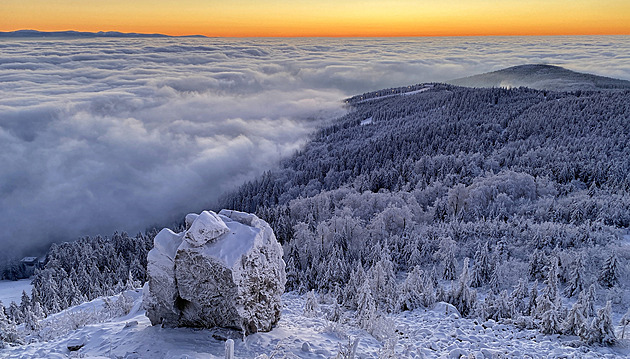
{"x":121,"y":134}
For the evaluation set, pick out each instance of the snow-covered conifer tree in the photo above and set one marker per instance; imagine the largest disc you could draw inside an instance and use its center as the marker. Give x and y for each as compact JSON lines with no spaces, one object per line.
{"x":311,"y":306}
{"x":551,"y":289}
{"x":550,"y":320}
{"x":8,"y":331}
{"x":533,"y":297}
{"x":589,"y":302}
{"x":503,"y":305}
{"x":609,"y":275}
{"x":449,"y":262}
{"x":537,"y":263}
{"x":575,"y":322}
{"x":334,"y":313}
{"x":366,"y":307}
{"x":601,"y":330}
{"x":494,"y":281}
{"x":481,"y":269}
{"x":517,"y":297}
{"x":383,"y":283}
{"x":461,"y":296}
{"x":25,"y":303}
{"x":411,"y":291}
{"x":38,"y":311}
{"x":15,"y":314}
{"x":351,"y":290}
{"x":576,"y":278}
{"x":31,"y":322}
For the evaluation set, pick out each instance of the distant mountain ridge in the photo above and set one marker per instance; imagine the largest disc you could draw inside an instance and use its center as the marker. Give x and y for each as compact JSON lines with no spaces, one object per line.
{"x":542,"y":77}
{"x":82,"y":34}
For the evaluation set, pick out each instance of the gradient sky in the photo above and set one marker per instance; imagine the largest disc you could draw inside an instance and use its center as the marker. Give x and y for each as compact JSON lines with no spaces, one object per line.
{"x":322,"y":17}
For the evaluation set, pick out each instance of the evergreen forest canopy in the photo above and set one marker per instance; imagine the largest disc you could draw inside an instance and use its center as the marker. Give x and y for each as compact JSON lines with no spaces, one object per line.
{"x":502,"y":202}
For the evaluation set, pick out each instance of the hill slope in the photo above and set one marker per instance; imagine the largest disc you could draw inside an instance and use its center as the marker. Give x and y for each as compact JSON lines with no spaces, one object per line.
{"x":542,"y":77}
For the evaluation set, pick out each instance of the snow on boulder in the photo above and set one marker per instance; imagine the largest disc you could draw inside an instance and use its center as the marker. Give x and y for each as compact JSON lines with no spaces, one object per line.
{"x":160,"y":291}
{"x":226,"y":271}
{"x":206,"y":227}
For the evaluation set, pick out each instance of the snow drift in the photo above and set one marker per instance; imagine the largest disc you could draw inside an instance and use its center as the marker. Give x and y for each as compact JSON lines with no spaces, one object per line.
{"x":225,"y":270}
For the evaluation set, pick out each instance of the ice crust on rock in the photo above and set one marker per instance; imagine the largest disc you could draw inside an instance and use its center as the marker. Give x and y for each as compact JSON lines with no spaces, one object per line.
{"x":226,"y":270}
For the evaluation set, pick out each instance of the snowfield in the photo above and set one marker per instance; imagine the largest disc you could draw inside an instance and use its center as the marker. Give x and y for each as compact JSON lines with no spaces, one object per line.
{"x":11,"y":290}
{"x":430,"y":333}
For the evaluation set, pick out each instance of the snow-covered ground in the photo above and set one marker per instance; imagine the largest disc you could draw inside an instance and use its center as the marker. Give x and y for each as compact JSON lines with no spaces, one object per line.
{"x":427,"y":87}
{"x":11,"y":291}
{"x":431,"y":333}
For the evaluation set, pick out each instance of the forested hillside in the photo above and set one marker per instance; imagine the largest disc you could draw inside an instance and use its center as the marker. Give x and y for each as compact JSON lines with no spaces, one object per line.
{"x":507,"y":203}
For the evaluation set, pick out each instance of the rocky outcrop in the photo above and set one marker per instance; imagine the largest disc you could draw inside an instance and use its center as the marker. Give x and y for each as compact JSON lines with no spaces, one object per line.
{"x":226,"y":270}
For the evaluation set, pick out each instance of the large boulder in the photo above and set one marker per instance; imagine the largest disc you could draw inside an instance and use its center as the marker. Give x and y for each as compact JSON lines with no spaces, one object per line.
{"x":226,"y":270}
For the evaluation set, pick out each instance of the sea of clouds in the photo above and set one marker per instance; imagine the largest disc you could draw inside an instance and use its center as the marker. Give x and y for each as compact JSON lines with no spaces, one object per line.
{"x":98,"y":135}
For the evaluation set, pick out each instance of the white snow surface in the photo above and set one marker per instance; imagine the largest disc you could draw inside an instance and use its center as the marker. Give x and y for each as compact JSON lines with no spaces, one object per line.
{"x":426,"y":88}
{"x":237,"y":239}
{"x":11,"y":290}
{"x":204,"y":228}
{"x":367,"y":121}
{"x":423,"y":333}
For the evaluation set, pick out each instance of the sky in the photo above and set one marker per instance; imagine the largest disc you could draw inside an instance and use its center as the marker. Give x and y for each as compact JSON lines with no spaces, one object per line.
{"x":337,"y":18}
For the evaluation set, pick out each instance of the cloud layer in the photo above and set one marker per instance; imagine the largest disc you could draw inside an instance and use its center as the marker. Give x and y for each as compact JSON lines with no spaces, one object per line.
{"x":98,"y":135}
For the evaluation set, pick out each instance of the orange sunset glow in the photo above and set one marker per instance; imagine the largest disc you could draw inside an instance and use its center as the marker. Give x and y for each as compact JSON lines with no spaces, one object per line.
{"x":248,"y":18}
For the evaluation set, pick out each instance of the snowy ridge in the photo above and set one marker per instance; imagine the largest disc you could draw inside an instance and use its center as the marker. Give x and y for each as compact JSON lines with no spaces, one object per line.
{"x":542,"y":77}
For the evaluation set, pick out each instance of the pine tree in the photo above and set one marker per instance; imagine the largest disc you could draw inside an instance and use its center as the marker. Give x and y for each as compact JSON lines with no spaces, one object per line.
{"x":366,"y":307}
{"x":38,"y":311}
{"x":517,"y":297}
{"x":411,"y":291}
{"x":8,"y":331}
{"x":533,"y":297}
{"x":537,"y":264}
{"x":351,"y":290}
{"x":575,"y":322}
{"x":550,"y":320}
{"x":335,"y":313}
{"x":494,"y":280}
{"x":589,"y":302}
{"x":602,"y":330}
{"x":15,"y":314}
{"x":383,"y":284}
{"x":31,"y":322}
{"x":461,"y":296}
{"x":609,"y":275}
{"x":481,"y":269}
{"x":311,"y":306}
{"x":25,"y":303}
{"x":551,"y":289}
{"x":576,"y":279}
{"x":448,"y":259}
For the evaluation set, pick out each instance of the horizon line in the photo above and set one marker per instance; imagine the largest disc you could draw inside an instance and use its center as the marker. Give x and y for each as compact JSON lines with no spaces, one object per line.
{"x":307,"y":36}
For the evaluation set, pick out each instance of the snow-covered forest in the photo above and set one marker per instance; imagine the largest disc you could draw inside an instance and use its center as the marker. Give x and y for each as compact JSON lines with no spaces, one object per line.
{"x":509,"y":204}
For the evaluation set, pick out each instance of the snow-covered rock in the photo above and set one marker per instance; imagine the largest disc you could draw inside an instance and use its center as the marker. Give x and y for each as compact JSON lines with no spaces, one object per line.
{"x":206,"y":227}
{"x":225,"y":270}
